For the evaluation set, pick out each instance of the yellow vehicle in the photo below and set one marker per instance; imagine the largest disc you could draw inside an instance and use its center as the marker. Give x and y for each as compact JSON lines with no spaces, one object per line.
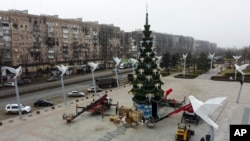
{"x":183,"y":133}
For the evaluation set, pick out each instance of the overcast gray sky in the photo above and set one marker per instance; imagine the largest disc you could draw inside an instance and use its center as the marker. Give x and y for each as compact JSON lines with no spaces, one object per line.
{"x":225,"y":22}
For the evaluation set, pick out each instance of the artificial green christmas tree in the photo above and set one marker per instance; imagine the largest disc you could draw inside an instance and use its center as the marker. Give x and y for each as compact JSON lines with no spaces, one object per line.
{"x":146,"y":79}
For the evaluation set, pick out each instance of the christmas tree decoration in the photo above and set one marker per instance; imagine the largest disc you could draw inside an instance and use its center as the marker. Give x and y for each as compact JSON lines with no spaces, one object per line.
{"x":146,"y":91}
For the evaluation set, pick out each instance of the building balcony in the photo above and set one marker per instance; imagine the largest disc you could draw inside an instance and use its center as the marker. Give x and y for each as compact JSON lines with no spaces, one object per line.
{"x":75,"y":32}
{"x":50,"y":35}
{"x":76,"y":56}
{"x":65,"y":35}
{"x":51,"y":57}
{"x":37,"y":44}
{"x":35,"y":50}
{"x":65,"y":51}
{"x":7,"y":56}
{"x":65,"y":45}
{"x":51,"y":51}
{"x":65,"y":27}
{"x":1,"y":44}
{"x":75,"y":37}
{"x":65,"y":41}
{"x":37,"y":35}
{"x":65,"y":31}
{"x":50,"y":41}
{"x":36,"y":28}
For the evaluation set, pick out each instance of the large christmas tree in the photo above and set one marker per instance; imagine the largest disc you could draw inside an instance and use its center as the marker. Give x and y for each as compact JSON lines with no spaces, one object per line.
{"x":147,"y":83}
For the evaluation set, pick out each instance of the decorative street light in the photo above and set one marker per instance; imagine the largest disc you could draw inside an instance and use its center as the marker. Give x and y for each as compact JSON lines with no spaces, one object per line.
{"x":17,"y":73}
{"x":158,"y":61}
{"x":134,"y":62}
{"x":236,"y":58}
{"x":184,"y":56}
{"x":240,"y":69}
{"x":201,"y":109}
{"x":211,"y":56}
{"x":117,"y":61}
{"x":63,"y":69}
{"x":93,"y":68}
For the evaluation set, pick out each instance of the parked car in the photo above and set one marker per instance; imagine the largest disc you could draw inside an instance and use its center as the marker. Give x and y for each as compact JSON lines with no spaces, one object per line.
{"x":26,"y":81}
{"x":1,"y":85}
{"x":13,"y":108}
{"x":76,"y":94}
{"x":43,"y":102}
{"x":10,"y":84}
{"x":19,"y":82}
{"x":52,"y":79}
{"x":92,"y":89}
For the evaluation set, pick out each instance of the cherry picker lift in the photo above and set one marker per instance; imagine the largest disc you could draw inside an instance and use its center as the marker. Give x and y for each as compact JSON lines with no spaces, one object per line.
{"x":99,"y":106}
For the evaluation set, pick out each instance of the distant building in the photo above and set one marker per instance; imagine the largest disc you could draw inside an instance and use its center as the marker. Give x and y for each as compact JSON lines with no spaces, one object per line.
{"x":42,"y":41}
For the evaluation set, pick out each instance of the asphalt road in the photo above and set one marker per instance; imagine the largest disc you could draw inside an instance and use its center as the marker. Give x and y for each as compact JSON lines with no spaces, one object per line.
{"x":51,"y":92}
{"x":67,"y":80}
{"x":45,"y":94}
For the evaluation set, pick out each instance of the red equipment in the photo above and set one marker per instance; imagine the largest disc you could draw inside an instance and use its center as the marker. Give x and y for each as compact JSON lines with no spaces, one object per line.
{"x":171,"y":102}
{"x":98,"y":106}
{"x":186,"y":107}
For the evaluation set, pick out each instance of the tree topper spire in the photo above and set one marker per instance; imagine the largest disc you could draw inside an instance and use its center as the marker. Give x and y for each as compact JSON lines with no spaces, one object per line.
{"x":146,"y":14}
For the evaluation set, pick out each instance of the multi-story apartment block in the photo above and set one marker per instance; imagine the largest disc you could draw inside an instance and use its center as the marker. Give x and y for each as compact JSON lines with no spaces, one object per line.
{"x":5,"y":39}
{"x":31,"y":40}
{"x":111,"y":42}
{"x":204,"y":46}
{"x":172,"y":44}
{"x":161,"y":43}
{"x":132,"y":42}
{"x":42,"y":41}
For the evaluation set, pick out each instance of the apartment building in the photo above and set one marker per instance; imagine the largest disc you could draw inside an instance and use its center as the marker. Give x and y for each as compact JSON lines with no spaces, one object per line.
{"x":111,"y":42}
{"x":132,"y":42}
{"x":204,"y":46}
{"x":43,"y":41}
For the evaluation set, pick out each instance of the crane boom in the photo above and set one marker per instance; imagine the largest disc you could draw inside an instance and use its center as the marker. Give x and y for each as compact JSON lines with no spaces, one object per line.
{"x":183,"y":108}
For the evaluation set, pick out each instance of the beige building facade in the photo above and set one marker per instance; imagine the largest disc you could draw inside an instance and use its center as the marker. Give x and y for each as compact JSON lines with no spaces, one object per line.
{"x":31,"y":40}
{"x":39,"y":42}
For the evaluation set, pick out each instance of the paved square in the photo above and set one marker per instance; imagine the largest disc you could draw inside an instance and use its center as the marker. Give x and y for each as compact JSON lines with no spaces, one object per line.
{"x":49,"y":125}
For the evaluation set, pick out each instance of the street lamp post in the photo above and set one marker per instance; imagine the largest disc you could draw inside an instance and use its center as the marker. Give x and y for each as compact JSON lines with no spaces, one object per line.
{"x":211,"y":56}
{"x":134,"y":62}
{"x":63,"y":69}
{"x":236,"y":58}
{"x":184,"y":58}
{"x":118,"y":61}
{"x":17,"y":73}
{"x":240,"y":69}
{"x":158,"y":61}
{"x":93,"y":67}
